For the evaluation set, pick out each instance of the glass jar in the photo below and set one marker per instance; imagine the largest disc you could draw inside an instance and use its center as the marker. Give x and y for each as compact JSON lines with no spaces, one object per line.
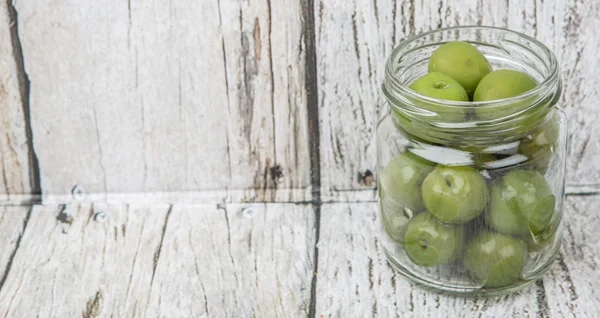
{"x":471,"y":193}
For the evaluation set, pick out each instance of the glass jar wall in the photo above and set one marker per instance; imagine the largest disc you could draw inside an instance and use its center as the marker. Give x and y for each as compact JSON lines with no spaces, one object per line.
{"x":471,"y":193}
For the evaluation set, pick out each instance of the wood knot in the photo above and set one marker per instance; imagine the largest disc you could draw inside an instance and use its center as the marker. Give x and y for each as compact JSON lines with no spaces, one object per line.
{"x":92,"y":307}
{"x":276,"y":174}
{"x":366,"y":178}
{"x":65,"y":217}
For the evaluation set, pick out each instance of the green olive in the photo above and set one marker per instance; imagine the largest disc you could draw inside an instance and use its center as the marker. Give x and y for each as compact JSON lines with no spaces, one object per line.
{"x":495,"y":259}
{"x":441,"y":86}
{"x":461,"y":61}
{"x":521,"y":204}
{"x":455,"y":194}
{"x":401,"y":180}
{"x":429,"y":242}
{"x":395,"y":219}
{"x":501,"y":84}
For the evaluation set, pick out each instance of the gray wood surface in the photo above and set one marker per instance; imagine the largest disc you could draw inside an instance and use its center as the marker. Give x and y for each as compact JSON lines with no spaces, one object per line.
{"x":247,"y":260}
{"x":180,"y":97}
{"x":13,"y":221}
{"x":17,"y":176}
{"x":242,"y":108}
{"x":184,"y":261}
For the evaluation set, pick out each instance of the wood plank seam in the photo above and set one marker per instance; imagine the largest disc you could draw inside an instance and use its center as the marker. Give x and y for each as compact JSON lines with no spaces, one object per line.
{"x":314,"y":135}
{"x":270,"y":51}
{"x":24,"y":88}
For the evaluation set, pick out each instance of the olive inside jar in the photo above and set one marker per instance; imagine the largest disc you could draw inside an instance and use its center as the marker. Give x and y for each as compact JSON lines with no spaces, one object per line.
{"x":471,"y":192}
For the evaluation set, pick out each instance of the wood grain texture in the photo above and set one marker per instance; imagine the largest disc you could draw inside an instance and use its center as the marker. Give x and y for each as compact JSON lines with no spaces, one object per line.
{"x":17,"y":182}
{"x":170,"y":98}
{"x":572,"y":285}
{"x":192,"y":261}
{"x":353,"y":40}
{"x":255,"y":259}
{"x":354,"y":278}
{"x":242,"y":132}
{"x":236,"y":261}
{"x":68,"y":261}
{"x":13,"y":221}
{"x":355,"y":37}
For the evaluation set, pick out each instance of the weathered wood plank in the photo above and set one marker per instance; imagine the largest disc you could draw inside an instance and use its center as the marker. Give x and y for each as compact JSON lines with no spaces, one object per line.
{"x":13,"y":220}
{"x":572,"y":286}
{"x":180,"y":261}
{"x":131,"y":97}
{"x":354,"y":278}
{"x":355,"y":37}
{"x":236,"y":261}
{"x":17,"y":182}
{"x":70,"y":263}
{"x":577,"y":47}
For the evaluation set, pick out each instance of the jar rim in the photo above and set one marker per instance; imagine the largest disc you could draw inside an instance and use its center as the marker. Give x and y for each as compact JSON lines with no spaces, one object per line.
{"x":551,"y":80}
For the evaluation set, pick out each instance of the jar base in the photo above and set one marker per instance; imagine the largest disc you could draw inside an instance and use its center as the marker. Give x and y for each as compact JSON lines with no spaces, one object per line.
{"x":474,"y":291}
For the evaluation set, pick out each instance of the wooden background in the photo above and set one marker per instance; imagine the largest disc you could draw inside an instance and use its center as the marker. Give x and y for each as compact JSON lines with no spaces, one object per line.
{"x":255,"y":120}
{"x":235,"y":100}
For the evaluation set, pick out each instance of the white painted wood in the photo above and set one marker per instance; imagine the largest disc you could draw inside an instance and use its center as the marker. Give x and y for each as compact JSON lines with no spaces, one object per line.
{"x":577,"y":47}
{"x":154,"y":105}
{"x":171,"y":97}
{"x":236,"y":261}
{"x":354,"y":278}
{"x":184,"y":261}
{"x":12,"y":224}
{"x":181,"y":197}
{"x":60,"y":268}
{"x":573,"y":284}
{"x":353,"y":40}
{"x":355,"y":37}
{"x":15,"y":178}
